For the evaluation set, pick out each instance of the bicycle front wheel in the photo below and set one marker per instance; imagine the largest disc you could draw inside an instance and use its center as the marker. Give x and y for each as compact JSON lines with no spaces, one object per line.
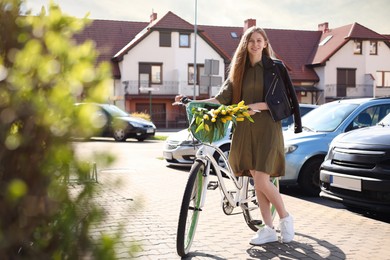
{"x":190,"y":208}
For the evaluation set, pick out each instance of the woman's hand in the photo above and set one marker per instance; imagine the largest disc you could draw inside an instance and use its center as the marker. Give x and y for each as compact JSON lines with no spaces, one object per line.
{"x":177,"y":100}
{"x":257,"y":108}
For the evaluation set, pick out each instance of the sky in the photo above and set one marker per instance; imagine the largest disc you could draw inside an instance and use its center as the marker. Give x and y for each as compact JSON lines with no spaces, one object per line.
{"x":271,"y":14}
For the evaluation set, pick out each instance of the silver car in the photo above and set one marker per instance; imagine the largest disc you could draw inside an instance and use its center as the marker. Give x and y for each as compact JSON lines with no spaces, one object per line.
{"x":306,"y":151}
{"x":180,"y":148}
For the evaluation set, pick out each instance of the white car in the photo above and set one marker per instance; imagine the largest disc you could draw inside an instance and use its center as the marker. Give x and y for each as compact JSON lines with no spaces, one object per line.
{"x":180,"y":148}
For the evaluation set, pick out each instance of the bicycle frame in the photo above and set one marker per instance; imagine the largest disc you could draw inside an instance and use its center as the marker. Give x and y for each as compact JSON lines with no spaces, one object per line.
{"x":208,"y":160}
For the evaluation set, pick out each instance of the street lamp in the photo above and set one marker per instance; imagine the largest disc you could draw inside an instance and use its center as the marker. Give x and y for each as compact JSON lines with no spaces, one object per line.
{"x":195,"y":34}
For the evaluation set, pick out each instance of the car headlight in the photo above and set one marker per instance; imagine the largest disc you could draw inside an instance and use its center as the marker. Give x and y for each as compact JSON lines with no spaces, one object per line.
{"x":135,"y":124}
{"x":290,"y":148}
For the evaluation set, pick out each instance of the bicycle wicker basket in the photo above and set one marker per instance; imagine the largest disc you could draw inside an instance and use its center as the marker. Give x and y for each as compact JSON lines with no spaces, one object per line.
{"x":203,"y":135}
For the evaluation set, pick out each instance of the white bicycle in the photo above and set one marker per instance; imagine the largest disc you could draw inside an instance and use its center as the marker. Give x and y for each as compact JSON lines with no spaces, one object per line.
{"x":236,"y":192}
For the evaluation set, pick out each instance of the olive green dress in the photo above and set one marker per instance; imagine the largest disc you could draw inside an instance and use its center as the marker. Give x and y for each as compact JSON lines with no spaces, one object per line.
{"x":255,"y":146}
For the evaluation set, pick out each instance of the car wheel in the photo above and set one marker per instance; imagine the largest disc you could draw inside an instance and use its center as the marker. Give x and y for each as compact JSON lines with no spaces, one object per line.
{"x":119,"y":135}
{"x":309,"y":177}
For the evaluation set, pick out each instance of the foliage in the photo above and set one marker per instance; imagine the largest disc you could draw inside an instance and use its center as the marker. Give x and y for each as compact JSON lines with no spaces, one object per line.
{"x":211,"y":124}
{"x":142,"y":115}
{"x":42,"y":74}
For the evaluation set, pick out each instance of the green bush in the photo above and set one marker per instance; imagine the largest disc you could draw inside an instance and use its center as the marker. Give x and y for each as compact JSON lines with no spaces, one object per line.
{"x":142,"y":115}
{"x":42,"y":74}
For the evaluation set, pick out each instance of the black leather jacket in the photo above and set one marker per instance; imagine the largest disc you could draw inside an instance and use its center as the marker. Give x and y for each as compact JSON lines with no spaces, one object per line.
{"x":279,"y":92}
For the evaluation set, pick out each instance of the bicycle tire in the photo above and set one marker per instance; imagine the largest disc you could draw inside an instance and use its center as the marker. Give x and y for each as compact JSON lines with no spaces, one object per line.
{"x":189,"y":211}
{"x":251,"y":209}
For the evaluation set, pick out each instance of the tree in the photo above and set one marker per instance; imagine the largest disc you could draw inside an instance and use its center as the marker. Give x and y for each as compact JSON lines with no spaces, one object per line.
{"x":42,"y":74}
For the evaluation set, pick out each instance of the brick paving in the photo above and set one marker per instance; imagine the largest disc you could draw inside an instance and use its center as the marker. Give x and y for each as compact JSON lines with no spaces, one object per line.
{"x":144,"y":195}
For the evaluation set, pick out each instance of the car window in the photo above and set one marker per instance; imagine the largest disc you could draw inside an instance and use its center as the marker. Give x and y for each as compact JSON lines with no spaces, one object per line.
{"x":327,"y":117}
{"x":368,"y":117}
{"x":303,"y":111}
{"x":115,"y":111}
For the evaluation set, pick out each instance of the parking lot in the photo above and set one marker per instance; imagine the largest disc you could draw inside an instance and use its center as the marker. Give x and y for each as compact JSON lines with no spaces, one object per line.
{"x":142,"y":193}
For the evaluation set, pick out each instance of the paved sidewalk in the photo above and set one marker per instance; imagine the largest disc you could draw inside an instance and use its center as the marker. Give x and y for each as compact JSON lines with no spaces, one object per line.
{"x":147,"y":203}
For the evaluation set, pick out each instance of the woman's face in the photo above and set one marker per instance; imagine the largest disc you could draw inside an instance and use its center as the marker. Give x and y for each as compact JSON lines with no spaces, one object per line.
{"x":256,"y":44}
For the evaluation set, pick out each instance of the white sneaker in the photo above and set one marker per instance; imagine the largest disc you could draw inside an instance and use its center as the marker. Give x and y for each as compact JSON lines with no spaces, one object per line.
{"x":286,"y":226}
{"x":264,"y":235}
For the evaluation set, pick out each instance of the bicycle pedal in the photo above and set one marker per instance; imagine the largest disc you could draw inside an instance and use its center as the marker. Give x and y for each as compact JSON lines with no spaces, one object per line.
{"x":256,"y":222}
{"x":212,"y":185}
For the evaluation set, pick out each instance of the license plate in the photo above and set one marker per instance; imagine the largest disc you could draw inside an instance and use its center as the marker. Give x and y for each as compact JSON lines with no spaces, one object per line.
{"x":167,"y":155}
{"x":346,"y":183}
{"x":150,"y":130}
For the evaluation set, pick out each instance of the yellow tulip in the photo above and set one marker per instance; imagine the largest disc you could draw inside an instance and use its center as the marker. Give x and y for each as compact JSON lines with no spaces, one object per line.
{"x":213,"y":119}
{"x":206,"y":117}
{"x":206,"y":127}
{"x":245,"y":113}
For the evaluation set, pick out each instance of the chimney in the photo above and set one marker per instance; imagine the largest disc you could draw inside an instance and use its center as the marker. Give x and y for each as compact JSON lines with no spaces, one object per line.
{"x":248,"y":23}
{"x":324,"y":27}
{"x":153,"y":17}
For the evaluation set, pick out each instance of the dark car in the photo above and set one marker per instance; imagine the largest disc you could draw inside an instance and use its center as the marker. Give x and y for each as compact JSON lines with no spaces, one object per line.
{"x":111,"y":121}
{"x":356,"y":170}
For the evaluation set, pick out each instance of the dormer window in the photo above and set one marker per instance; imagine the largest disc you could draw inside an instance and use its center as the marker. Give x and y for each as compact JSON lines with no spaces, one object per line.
{"x":358,"y":47}
{"x":234,"y":35}
{"x":373,"y":48}
{"x":184,"y":40}
{"x":324,"y":41}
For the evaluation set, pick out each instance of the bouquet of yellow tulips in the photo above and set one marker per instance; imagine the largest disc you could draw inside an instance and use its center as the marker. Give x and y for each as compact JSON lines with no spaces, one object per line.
{"x":209,"y":122}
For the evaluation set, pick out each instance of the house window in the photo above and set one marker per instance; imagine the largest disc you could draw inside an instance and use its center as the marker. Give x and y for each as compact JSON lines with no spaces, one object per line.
{"x":358,"y":47}
{"x":383,"y":79}
{"x":156,"y":74}
{"x":199,"y":72}
{"x":373,"y":48}
{"x":165,"y":39}
{"x":152,"y":71}
{"x":345,"y":78}
{"x":184,"y":40}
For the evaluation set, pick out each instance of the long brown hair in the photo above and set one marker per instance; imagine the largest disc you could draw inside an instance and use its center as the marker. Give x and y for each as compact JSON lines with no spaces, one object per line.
{"x":237,"y":65}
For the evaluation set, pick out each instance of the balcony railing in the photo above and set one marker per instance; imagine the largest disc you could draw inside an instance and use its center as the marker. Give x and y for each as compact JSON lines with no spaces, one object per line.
{"x":166,"y":88}
{"x":360,"y":90}
{"x":136,"y":87}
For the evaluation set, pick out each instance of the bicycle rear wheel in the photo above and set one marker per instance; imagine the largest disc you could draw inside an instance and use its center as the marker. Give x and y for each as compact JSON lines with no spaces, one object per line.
{"x":251,"y":209}
{"x":190,"y":208}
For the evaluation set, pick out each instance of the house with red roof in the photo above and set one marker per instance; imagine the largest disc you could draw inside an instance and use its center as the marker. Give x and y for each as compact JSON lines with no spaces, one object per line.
{"x":154,"y":61}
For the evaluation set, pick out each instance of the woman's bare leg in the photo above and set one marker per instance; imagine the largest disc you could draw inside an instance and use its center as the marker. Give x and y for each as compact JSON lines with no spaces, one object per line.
{"x":268,"y":194}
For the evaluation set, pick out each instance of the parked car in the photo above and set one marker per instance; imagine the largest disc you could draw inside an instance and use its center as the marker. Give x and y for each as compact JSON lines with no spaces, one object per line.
{"x":111,"y":121}
{"x":303,"y":109}
{"x":306,"y":151}
{"x":180,"y":148}
{"x":356,"y":170}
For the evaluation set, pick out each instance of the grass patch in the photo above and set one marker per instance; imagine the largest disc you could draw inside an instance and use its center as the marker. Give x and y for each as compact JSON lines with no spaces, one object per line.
{"x":159,"y":137}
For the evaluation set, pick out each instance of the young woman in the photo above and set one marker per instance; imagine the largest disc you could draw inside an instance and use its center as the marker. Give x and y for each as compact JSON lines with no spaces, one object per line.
{"x":257,"y":149}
